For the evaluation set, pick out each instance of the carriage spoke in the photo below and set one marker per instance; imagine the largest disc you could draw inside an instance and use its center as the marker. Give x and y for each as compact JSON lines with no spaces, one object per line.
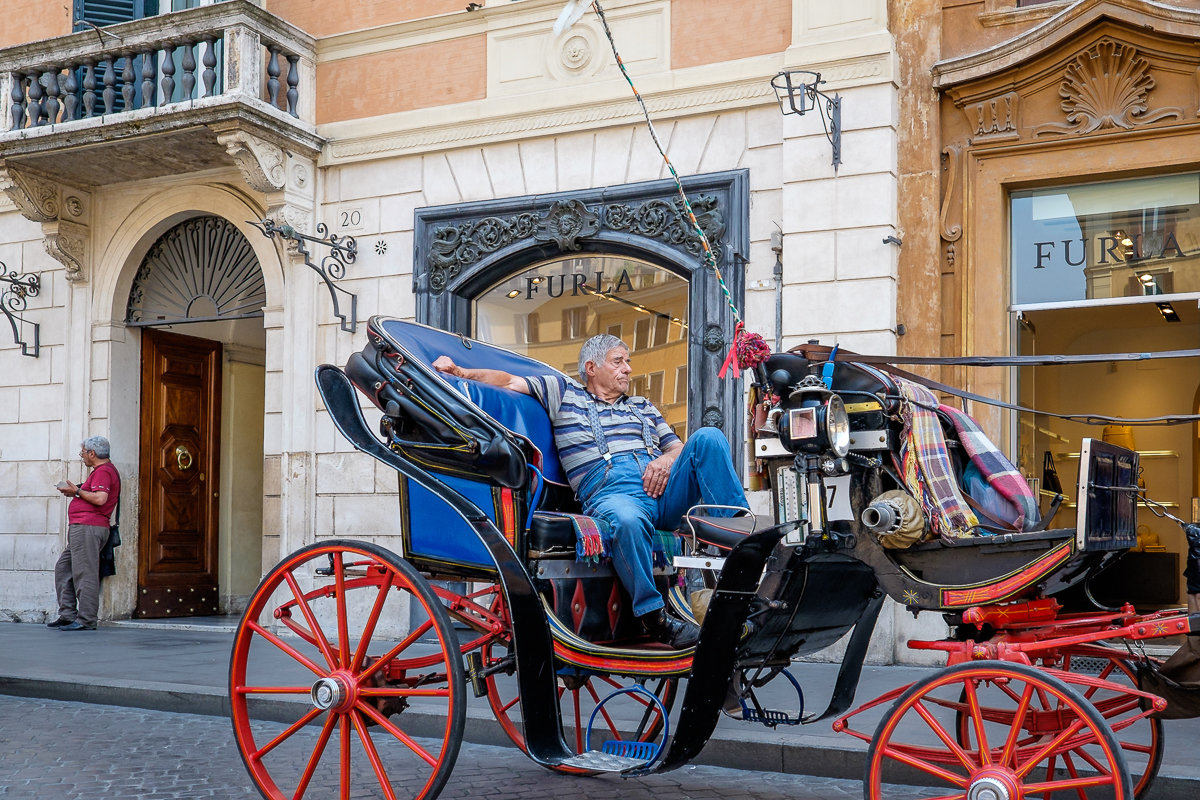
{"x":372,"y":619}
{"x":403,"y":737}
{"x":285,"y":734}
{"x":929,"y":768}
{"x":942,"y":734}
{"x":373,"y":756}
{"x":403,"y":645}
{"x":343,"y":627}
{"x":344,"y":733}
{"x":285,"y":647}
{"x":1011,"y":743}
{"x":1048,"y":748}
{"x":971,"y":687}
{"x":310,"y":618}
{"x":315,"y":758}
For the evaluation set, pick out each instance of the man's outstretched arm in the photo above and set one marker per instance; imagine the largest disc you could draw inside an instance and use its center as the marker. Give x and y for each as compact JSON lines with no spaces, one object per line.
{"x":492,"y":377}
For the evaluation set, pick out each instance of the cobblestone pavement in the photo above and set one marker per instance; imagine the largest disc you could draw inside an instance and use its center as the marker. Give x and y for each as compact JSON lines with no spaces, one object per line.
{"x":54,"y":750}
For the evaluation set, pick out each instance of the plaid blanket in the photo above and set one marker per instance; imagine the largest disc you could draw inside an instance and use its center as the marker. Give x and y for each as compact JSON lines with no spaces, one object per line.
{"x":997,"y":470}
{"x":593,"y":540}
{"x":925,"y":464}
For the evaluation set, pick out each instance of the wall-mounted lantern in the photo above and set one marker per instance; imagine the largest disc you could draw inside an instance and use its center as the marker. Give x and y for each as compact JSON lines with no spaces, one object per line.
{"x":798,"y":93}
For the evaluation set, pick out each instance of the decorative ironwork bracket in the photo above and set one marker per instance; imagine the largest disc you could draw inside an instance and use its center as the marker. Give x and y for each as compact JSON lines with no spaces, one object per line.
{"x":343,"y":251}
{"x":797,"y":93}
{"x":13,"y":301}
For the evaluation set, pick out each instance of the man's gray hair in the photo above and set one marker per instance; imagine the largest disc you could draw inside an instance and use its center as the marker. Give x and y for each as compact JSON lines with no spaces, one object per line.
{"x":98,"y":445}
{"x":595,"y":350}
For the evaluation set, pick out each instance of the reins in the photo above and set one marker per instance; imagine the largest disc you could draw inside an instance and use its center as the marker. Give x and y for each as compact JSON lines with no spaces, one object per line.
{"x":817,"y":352}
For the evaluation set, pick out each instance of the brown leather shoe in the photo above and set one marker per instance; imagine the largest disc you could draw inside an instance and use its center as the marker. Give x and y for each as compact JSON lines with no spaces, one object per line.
{"x":664,"y":628}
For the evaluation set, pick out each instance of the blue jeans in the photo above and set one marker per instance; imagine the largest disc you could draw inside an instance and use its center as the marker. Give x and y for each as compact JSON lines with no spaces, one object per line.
{"x":613,"y":492}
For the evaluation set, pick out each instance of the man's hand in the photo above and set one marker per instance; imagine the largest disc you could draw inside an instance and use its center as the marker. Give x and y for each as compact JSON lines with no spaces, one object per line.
{"x":446,"y":364}
{"x":67,"y":489}
{"x":658,"y":471}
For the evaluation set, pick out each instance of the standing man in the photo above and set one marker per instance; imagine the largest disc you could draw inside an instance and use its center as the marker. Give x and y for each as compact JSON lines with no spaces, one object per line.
{"x":77,"y":573}
{"x":626,"y":465}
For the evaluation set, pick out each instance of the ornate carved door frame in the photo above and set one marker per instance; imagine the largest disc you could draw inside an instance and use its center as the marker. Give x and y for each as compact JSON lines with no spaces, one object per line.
{"x":461,"y":250}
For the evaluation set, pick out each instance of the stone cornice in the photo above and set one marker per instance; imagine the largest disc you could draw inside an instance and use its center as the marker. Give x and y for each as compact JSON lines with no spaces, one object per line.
{"x":1063,"y":26}
{"x":469,"y":124}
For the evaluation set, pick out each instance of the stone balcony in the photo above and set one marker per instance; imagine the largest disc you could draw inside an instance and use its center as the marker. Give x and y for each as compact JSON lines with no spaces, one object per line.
{"x":170,"y":95}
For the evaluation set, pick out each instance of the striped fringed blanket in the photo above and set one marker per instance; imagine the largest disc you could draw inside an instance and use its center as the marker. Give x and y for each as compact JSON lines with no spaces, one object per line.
{"x":593,"y":540}
{"x":925,"y":465}
{"x":998,"y":471}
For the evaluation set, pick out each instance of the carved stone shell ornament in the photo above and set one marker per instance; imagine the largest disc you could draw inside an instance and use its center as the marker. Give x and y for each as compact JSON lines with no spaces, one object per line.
{"x":1106,"y":87}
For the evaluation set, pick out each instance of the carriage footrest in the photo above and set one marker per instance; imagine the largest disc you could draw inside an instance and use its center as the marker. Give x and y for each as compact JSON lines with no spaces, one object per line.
{"x":642,"y":751}
{"x":768,"y":717}
{"x":599,"y":761}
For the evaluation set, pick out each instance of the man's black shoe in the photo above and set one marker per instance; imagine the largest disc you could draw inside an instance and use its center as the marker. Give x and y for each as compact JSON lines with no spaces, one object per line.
{"x":76,"y":625}
{"x":664,"y":628}
{"x":58,"y":623}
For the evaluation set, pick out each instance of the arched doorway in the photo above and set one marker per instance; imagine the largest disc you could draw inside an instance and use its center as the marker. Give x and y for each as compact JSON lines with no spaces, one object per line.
{"x":198,"y":298}
{"x":470,"y":257}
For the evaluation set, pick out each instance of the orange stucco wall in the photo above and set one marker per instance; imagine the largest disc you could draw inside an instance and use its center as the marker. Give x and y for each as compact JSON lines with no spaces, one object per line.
{"x":32,"y":20}
{"x":432,"y":74}
{"x":327,"y":17}
{"x":705,"y":31}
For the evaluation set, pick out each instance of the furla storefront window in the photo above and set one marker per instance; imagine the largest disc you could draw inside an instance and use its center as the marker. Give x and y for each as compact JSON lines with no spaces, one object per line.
{"x":1134,"y":238}
{"x":549,"y":309}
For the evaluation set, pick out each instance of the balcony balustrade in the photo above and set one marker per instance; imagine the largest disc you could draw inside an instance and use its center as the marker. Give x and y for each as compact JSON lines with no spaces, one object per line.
{"x":155,"y":96}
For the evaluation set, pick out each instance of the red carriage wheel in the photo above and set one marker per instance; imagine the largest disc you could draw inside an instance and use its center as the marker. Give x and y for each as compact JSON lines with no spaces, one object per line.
{"x":360,"y":658}
{"x":1140,"y":737}
{"x":1024,"y":733}
{"x":630,"y":717}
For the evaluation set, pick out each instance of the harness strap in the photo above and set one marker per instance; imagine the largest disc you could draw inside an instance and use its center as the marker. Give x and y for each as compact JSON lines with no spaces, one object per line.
{"x":820,"y":352}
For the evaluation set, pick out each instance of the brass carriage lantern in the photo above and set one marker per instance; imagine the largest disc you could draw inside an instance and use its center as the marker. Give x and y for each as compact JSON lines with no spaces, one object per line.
{"x":798,"y":93}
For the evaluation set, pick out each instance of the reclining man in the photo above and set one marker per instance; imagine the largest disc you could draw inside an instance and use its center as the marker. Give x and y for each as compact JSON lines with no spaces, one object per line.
{"x":626,"y":465}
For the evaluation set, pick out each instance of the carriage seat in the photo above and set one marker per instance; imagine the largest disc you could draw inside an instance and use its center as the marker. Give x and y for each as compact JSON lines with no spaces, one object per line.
{"x":554,"y":534}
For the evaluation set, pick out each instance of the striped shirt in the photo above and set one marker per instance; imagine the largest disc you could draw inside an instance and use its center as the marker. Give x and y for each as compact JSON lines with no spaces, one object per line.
{"x":566,"y":401}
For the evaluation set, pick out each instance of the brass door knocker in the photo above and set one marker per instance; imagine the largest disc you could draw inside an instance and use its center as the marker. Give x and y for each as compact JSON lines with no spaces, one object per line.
{"x":183,"y":457}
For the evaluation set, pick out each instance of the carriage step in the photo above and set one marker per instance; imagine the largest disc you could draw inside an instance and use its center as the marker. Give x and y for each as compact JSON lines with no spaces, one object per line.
{"x":599,"y":761}
{"x":768,"y":717}
{"x":642,"y":751}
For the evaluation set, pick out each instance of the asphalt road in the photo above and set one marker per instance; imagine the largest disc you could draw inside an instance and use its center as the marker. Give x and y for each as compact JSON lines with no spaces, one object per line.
{"x":56,"y":750}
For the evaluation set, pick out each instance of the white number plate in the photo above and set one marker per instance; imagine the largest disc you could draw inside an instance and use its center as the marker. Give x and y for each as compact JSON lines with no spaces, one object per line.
{"x":837,"y":498}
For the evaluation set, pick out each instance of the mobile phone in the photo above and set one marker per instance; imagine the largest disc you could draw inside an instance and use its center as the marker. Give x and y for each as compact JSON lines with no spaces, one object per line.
{"x":62,"y":485}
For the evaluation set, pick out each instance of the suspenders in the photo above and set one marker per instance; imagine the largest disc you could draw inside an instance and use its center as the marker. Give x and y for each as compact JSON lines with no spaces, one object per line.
{"x":598,"y":431}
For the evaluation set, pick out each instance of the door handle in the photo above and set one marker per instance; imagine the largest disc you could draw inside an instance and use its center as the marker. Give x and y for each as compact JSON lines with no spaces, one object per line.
{"x":183,"y":458}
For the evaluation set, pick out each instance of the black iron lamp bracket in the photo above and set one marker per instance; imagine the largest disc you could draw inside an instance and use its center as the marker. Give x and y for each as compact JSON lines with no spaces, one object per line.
{"x":15,"y":290}
{"x":342,"y":251}
{"x":798,"y":93}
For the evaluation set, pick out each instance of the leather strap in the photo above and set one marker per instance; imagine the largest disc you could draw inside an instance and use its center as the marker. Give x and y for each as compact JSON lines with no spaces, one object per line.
{"x":822,"y":353}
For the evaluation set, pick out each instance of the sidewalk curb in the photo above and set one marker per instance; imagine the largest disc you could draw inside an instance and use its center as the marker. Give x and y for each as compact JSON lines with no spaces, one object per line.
{"x":762,"y":751}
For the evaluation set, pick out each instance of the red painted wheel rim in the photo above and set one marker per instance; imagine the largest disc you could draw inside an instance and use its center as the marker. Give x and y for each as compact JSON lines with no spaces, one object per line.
{"x":367,"y":658}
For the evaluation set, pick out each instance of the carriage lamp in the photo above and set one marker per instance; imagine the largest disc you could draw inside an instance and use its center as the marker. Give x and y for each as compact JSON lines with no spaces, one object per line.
{"x":798,"y":93}
{"x":816,"y":422}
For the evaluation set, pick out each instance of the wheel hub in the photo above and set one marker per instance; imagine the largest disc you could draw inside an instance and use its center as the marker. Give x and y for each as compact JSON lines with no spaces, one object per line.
{"x":992,"y":787}
{"x":330,"y":694}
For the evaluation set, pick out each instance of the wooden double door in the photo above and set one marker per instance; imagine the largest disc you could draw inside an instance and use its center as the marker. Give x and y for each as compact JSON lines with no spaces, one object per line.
{"x":180,"y":455}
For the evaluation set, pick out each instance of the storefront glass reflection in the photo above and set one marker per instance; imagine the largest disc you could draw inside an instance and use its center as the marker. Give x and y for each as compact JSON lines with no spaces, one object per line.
{"x":1106,"y":240}
{"x":548,"y":310}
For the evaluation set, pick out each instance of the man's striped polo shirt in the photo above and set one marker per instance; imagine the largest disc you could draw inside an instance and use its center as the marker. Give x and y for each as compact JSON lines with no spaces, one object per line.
{"x":566,"y":401}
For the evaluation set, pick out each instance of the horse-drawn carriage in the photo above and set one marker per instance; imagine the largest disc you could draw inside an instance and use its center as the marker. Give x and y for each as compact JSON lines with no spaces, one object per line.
{"x":503,"y":589}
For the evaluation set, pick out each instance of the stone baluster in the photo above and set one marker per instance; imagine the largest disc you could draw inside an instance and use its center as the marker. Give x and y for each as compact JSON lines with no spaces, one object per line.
{"x":127,"y":88}
{"x":273,"y":75}
{"x":51,"y":105}
{"x":18,"y":101}
{"x":109,"y":93}
{"x":209,"y":75}
{"x":89,"y":87}
{"x":148,"y":72}
{"x":189,"y":69}
{"x":35,"y":99}
{"x":168,"y":73}
{"x":293,"y":82}
{"x":70,"y":84}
